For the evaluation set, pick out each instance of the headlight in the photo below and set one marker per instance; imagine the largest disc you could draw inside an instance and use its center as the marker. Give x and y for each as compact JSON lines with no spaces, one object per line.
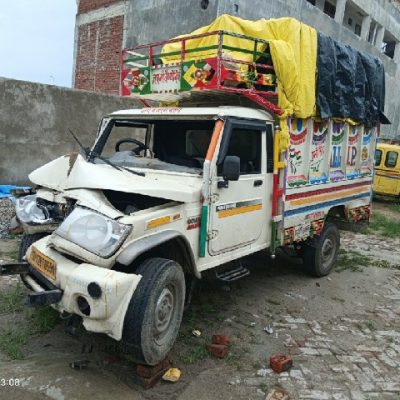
{"x":93,"y":232}
{"x":28,"y":211}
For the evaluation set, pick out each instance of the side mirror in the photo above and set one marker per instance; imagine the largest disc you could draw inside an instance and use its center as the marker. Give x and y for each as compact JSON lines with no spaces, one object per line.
{"x":231,"y":168}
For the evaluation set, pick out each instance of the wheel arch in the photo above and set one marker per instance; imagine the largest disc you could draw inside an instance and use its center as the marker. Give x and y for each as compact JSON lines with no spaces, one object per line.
{"x":169,"y":244}
{"x":337,"y":212}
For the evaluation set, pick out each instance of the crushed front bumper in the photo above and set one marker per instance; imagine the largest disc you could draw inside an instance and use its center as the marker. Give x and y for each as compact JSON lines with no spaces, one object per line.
{"x":40,"y":297}
{"x":99,"y":295}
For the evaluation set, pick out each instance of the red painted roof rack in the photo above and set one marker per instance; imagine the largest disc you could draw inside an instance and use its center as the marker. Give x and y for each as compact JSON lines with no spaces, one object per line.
{"x":217,"y":73}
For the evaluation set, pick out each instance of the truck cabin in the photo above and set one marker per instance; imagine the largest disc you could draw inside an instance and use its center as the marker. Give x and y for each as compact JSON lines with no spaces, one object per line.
{"x":177,"y":145}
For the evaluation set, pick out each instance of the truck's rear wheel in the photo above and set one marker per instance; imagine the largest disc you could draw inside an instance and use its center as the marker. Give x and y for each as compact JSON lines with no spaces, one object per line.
{"x":155,"y":311}
{"x":320,"y":258}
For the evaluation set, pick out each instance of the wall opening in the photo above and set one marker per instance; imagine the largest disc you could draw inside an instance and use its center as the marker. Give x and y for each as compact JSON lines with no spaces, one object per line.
{"x":373,"y":29}
{"x":204,"y":4}
{"x":330,"y":9}
{"x":388,"y":44}
{"x":353,"y":18}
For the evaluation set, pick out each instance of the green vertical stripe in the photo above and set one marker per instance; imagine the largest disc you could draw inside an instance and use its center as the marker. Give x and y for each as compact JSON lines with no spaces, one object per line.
{"x":203,"y":230}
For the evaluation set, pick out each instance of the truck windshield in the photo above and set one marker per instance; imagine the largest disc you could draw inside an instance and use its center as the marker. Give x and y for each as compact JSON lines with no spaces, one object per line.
{"x":173,"y":145}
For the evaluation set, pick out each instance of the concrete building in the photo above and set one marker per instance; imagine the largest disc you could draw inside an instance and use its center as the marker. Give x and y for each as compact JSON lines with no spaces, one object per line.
{"x":103,"y":27}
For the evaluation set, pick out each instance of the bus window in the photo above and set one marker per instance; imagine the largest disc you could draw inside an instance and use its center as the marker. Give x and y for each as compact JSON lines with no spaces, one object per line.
{"x":378,"y":157}
{"x":391,"y":159}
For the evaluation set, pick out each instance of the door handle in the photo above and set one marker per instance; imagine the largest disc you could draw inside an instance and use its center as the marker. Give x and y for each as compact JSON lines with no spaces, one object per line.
{"x":258,"y":182}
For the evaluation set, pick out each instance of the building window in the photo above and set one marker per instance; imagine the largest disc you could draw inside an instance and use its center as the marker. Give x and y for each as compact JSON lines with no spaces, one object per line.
{"x":329,"y":9}
{"x":372,"y":32}
{"x":389,"y":44}
{"x":357,"y":29}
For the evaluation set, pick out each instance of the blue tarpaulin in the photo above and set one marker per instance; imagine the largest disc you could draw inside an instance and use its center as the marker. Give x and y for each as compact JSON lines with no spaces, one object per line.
{"x":5,"y":190}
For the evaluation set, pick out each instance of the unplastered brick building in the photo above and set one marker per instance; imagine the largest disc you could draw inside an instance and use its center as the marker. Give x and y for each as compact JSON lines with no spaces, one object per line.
{"x":99,"y":35}
{"x":104,"y":27}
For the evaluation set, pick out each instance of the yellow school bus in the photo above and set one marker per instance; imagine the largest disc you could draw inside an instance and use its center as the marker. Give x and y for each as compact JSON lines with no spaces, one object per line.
{"x":387,"y":170}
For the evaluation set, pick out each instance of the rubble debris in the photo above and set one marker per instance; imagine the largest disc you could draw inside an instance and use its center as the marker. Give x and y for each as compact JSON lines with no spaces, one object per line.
{"x":7,"y":213}
{"x":221,"y":339}
{"x":280,"y":362}
{"x":277,"y":394}
{"x":269,"y":329}
{"x":218,"y":350}
{"x":219,"y":346}
{"x":172,"y":375}
{"x":79,"y":364}
{"x":147,"y":376}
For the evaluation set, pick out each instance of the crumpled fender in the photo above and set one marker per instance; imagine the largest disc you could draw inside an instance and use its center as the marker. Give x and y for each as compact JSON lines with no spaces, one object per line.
{"x":138,"y":247}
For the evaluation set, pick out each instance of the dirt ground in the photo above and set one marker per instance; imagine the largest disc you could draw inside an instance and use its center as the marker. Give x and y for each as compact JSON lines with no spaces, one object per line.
{"x":342,"y":331}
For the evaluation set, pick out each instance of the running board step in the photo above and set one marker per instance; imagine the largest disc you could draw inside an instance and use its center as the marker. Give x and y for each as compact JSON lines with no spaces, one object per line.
{"x":232,"y":274}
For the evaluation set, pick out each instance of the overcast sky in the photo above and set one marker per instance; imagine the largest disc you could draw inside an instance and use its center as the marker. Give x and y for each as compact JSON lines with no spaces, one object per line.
{"x":37,"y":40}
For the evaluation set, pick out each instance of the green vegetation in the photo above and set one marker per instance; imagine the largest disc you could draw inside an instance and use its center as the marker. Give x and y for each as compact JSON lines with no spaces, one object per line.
{"x":12,"y":341}
{"x":382,"y":225}
{"x":194,"y":349}
{"x":371,"y":325}
{"x":33,"y":322}
{"x":43,"y":320}
{"x":351,"y":260}
{"x":11,"y":301}
{"x":264,"y":387}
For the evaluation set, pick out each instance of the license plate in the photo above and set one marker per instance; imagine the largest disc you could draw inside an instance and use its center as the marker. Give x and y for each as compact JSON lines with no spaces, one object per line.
{"x":42,"y":263}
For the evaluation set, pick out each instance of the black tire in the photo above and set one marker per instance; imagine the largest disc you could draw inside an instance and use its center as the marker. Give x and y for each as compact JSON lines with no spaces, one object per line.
{"x":155,"y":311}
{"x":320,"y":258}
{"x":26,"y":241}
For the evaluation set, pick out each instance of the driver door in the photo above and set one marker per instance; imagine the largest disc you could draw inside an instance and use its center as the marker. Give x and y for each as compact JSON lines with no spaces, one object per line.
{"x":239,"y":212}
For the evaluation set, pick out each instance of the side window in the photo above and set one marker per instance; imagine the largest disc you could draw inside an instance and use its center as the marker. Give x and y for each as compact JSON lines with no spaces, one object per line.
{"x":378,"y":157}
{"x":246,"y":144}
{"x":391,"y":159}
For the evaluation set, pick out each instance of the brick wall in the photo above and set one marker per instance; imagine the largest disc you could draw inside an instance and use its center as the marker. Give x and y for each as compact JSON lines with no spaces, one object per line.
{"x":89,"y":5}
{"x":98,"y":51}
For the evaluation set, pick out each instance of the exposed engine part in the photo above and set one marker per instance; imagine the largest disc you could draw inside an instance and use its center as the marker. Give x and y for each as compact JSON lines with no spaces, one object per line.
{"x":129,"y":203}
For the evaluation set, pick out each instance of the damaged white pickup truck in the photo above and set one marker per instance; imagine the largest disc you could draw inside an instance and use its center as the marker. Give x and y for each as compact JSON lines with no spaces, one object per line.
{"x":118,"y":234}
{"x":120,"y":231}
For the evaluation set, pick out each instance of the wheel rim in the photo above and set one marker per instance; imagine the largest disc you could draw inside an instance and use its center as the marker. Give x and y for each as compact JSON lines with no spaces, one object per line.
{"x":328,"y":252}
{"x":165,"y":309}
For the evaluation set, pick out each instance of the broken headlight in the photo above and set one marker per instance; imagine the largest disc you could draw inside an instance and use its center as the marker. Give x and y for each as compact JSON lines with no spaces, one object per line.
{"x":93,"y":232}
{"x":28,"y":211}
{"x":34,"y":210}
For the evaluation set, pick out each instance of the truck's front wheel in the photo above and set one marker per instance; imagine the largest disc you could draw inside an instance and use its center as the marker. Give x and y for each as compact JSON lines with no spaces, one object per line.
{"x":320,"y":258}
{"x":155,"y":311}
{"x":26,"y":241}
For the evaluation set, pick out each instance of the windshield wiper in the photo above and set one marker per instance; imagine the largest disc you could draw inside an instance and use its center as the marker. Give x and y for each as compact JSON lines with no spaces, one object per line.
{"x":84,"y":150}
{"x":90,"y":154}
{"x":93,"y":155}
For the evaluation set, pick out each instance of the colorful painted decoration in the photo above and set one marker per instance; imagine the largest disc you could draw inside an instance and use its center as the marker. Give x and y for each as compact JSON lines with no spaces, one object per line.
{"x":337,"y":152}
{"x":318,"y":150}
{"x":297,"y":168}
{"x":353,"y":149}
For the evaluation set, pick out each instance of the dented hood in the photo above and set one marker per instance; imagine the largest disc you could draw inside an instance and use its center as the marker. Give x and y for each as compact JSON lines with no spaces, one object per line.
{"x":74,"y":172}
